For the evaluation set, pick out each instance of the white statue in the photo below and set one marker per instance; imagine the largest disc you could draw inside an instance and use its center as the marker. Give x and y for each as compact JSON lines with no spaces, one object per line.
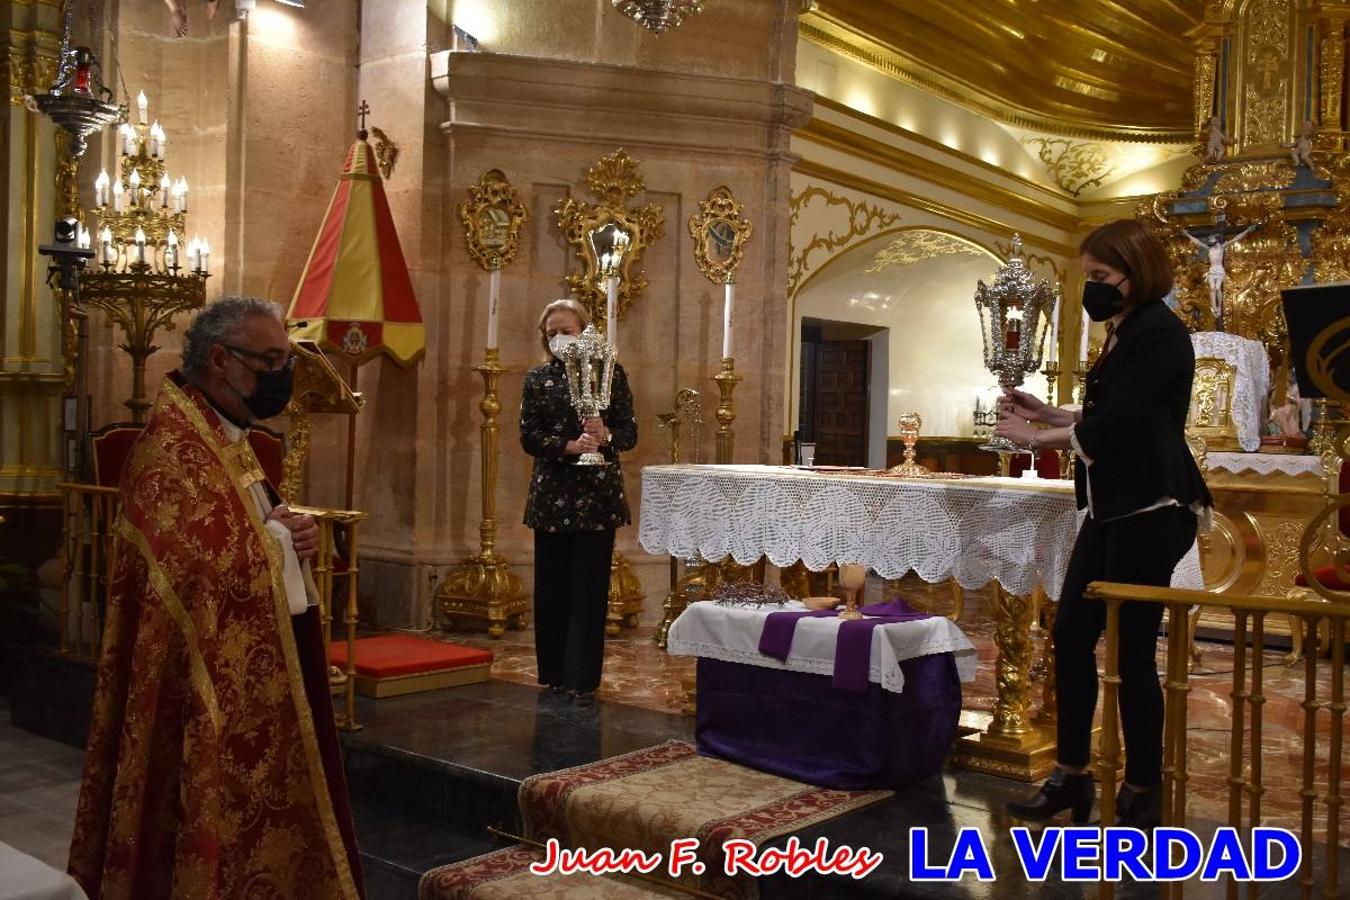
{"x":1218,"y":144}
{"x":1300,"y":151}
{"x":1216,"y":274}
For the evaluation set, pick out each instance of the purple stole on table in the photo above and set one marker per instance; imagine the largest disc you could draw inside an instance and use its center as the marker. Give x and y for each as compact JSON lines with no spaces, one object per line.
{"x":853,"y":650}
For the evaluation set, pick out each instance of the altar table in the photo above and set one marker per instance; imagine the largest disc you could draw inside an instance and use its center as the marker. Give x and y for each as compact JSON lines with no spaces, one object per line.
{"x":787,"y":717}
{"x":1018,"y":533}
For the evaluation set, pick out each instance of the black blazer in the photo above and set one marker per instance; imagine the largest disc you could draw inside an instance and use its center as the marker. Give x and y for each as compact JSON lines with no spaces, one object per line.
{"x":1134,"y":419}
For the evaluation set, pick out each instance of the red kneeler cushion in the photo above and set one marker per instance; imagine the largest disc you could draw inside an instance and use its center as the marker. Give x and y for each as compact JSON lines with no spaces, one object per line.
{"x":1327,"y":576}
{"x":392,"y":655}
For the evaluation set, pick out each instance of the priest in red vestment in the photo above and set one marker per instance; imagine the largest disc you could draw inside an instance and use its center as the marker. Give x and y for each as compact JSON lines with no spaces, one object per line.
{"x":213,"y":768}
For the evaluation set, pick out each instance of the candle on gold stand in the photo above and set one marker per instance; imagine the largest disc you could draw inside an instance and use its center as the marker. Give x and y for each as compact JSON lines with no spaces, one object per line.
{"x":727,"y":379}
{"x":1051,"y":373}
{"x":483,"y":586}
{"x":720,"y":232}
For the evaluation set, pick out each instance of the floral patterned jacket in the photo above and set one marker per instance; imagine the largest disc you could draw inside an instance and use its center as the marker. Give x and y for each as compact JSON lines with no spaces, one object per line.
{"x":563,"y":495}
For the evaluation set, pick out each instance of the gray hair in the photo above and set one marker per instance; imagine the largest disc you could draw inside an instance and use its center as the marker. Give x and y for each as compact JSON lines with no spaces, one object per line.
{"x":221,"y":322}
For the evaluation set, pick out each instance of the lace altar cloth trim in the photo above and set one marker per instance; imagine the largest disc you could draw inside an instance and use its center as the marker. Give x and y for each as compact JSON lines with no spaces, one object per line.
{"x":975,"y":530}
{"x":1266,"y":463}
{"x":731,"y":634}
{"x":1251,"y":386}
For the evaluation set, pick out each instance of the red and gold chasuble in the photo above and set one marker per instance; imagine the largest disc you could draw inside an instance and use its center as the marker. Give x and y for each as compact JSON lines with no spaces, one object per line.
{"x":205,"y":771}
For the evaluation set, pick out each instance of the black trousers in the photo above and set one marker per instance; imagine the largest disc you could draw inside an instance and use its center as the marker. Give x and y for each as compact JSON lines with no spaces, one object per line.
{"x":571,"y":600}
{"x":1140,"y":549}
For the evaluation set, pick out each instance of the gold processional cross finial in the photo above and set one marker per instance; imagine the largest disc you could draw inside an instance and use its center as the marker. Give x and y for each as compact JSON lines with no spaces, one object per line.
{"x":361,"y":112}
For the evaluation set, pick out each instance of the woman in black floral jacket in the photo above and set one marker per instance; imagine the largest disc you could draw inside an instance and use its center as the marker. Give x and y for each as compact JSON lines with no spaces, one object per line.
{"x":573,"y":509}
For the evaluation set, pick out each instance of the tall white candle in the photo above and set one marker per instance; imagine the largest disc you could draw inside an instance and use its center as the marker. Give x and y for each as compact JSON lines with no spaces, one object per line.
{"x":171,"y":253}
{"x":494,"y":292}
{"x":140,"y":245}
{"x":134,"y":182}
{"x":183,"y":182}
{"x":164,"y":186}
{"x":142,"y":107}
{"x":1083,"y":338}
{"x":206,"y":257}
{"x":118,"y":196}
{"x":728,"y":302}
{"x":1052,"y":352}
{"x":612,"y":310}
{"x":105,"y":239}
{"x":101,"y":189}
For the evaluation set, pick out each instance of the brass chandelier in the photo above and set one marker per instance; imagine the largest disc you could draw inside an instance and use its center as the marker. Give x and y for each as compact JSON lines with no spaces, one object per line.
{"x":658,"y":15}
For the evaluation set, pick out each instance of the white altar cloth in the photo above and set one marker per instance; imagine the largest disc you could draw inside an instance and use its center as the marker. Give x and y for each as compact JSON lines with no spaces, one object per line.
{"x":975,"y":530}
{"x":1266,"y":463}
{"x":731,"y":634}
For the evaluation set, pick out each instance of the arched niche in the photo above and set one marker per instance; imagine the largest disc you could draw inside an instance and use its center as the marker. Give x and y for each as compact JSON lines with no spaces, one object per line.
{"x":909,"y":292}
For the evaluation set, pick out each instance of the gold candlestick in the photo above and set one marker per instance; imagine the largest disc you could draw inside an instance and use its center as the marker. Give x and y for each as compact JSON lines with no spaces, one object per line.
{"x":1080,"y":380}
{"x":1051,"y":372}
{"x":727,"y":379}
{"x":484,"y":587}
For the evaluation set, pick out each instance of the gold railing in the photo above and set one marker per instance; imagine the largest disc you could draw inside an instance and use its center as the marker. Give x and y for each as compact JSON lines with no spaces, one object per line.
{"x":90,"y":512}
{"x":1244,"y":774}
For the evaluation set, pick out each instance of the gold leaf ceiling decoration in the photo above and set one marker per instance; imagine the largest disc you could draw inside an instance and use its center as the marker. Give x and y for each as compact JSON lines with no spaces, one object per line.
{"x":1095,"y":69}
{"x":916,"y":246}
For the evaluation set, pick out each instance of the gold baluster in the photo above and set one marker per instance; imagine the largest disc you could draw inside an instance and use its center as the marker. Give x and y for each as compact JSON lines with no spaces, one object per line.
{"x":1331,"y":889}
{"x":1239,"y":695}
{"x":1257,"y":701}
{"x":1309,"y":789}
{"x":1109,"y":763}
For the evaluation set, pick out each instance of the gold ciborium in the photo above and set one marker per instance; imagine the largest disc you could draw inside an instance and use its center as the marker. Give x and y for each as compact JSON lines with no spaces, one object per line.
{"x":910,"y":425}
{"x":589,"y":361}
{"x":852,"y":578}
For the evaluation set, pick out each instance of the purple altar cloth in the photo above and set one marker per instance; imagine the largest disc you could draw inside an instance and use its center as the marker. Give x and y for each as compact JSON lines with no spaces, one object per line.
{"x":797,"y":725}
{"x":853,"y":649}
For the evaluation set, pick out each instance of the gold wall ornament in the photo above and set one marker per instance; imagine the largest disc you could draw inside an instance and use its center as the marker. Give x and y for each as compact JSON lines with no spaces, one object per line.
{"x":613,"y":181}
{"x":720,"y":233}
{"x":493,"y":215}
{"x":386,"y":153}
{"x":863,"y":220}
{"x":921,"y":244}
{"x":1330,"y":246}
{"x":1074,"y":165}
{"x":659,"y":15}
{"x":1268,"y":52}
{"x":1247,"y":177}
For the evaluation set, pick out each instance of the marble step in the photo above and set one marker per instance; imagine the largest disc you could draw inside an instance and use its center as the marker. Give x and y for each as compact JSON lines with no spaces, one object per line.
{"x":396,"y":851}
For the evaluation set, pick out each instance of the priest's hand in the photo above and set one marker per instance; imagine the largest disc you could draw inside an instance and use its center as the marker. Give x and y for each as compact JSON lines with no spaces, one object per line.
{"x":1015,"y":428}
{"x":304,"y":531}
{"x":1023,"y":405}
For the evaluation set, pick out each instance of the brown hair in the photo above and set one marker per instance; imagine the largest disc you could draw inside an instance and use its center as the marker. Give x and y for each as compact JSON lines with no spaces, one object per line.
{"x":567,"y":305}
{"x":1134,"y":250}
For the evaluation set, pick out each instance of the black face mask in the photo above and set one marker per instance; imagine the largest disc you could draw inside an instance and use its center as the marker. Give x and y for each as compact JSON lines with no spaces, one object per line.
{"x":1101,"y":301}
{"x":271,"y":395}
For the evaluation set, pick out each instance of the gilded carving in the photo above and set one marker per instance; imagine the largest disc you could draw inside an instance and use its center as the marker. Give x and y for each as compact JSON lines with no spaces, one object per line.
{"x":918,"y":245}
{"x":1074,"y":165}
{"x":1332,"y":72}
{"x":1279,"y":542}
{"x":1206,"y":66}
{"x":493,"y":215}
{"x":1331,"y":248}
{"x":863,"y":219}
{"x":386,"y":153}
{"x":1210,"y":419}
{"x":719,"y":232}
{"x":1012,"y":636}
{"x":1259,"y":267}
{"x":1266,"y":64}
{"x":613,"y":181}
{"x":1262,"y":176}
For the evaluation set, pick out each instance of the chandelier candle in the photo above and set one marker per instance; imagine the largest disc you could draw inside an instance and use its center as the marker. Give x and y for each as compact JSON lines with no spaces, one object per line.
{"x":1083,"y":339}
{"x":142,"y":108}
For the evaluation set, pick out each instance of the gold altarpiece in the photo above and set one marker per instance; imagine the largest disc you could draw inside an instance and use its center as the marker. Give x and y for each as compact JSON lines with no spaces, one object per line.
{"x":1263,"y":69}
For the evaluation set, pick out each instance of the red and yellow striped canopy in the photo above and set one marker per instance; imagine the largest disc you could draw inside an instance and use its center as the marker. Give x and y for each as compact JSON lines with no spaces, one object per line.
{"x":355,"y":296}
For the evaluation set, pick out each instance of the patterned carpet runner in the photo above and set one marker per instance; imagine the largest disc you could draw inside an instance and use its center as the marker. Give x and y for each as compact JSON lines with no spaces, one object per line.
{"x":644,"y":800}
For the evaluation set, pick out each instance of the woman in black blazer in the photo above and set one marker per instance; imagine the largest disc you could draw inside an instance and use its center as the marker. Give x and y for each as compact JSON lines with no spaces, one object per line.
{"x":1144,"y":496}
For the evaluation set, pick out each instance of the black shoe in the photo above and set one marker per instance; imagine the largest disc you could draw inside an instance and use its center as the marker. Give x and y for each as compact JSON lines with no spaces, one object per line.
{"x":557,"y":690}
{"x":1139,"y":809}
{"x":583,"y":698}
{"x":1061,"y":791}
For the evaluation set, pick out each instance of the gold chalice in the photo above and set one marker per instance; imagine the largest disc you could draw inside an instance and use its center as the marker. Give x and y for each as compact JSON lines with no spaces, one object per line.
{"x":852,"y":578}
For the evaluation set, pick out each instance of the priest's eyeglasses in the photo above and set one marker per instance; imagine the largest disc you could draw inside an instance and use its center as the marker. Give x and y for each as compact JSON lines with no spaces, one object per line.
{"x":273,"y":362}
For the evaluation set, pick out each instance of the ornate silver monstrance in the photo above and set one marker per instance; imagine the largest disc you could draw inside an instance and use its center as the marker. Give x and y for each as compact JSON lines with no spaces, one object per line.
{"x":1015,"y":316}
{"x":589,"y":361}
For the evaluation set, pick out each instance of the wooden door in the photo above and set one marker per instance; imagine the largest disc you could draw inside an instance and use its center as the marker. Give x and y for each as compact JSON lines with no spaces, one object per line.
{"x":842,"y":373}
